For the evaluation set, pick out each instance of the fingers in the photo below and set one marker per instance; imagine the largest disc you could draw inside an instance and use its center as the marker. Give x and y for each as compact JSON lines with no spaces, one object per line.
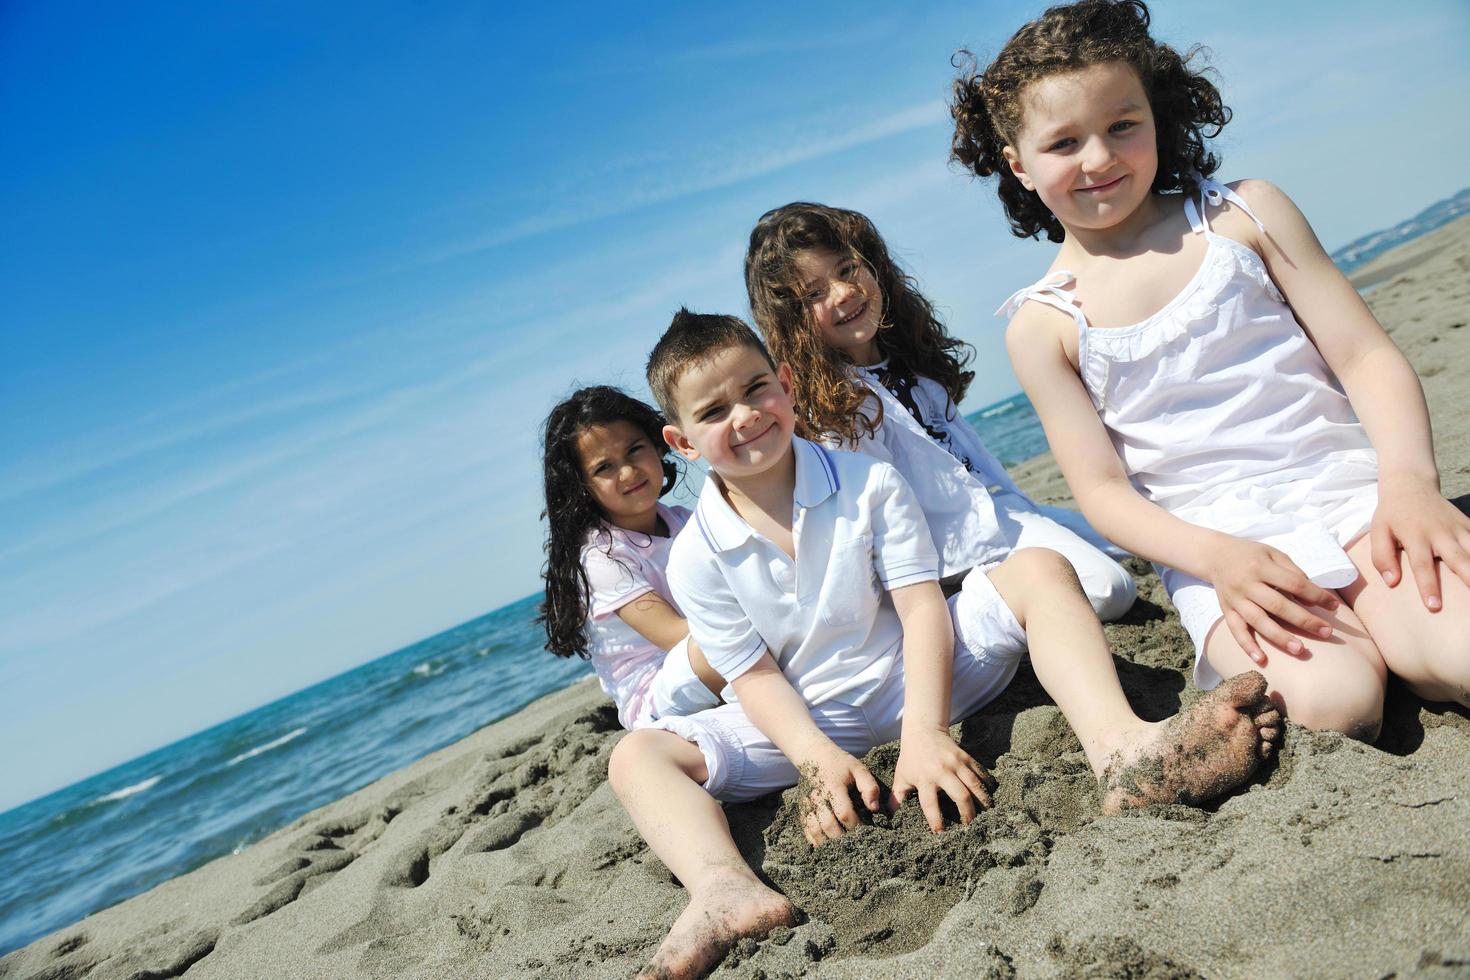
{"x":1244,"y":637}
{"x":1289,"y":578}
{"x":900,"y":792}
{"x":929,"y":803}
{"x":867,"y":788}
{"x":1384,"y":550}
{"x":1425,"y":571}
{"x":1259,"y":623}
{"x":818,"y":824}
{"x":1281,"y":608}
{"x":976,"y":786}
{"x":842,"y":808}
{"x":963,"y":796}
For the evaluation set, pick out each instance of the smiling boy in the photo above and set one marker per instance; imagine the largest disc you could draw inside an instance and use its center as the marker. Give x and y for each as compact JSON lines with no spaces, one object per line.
{"x":809,"y":575}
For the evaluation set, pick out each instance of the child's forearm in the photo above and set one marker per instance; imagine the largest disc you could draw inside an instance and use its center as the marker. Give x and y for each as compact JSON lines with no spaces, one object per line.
{"x":1386,"y":394}
{"x":1122,"y":515}
{"x":928,"y":656}
{"x":774,"y":706}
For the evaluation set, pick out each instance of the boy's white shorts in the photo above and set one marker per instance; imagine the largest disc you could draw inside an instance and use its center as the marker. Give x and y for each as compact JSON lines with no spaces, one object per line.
{"x":743,"y":764}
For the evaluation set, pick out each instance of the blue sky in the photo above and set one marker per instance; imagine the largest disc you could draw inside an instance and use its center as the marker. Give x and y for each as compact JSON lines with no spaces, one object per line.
{"x":288,"y":288}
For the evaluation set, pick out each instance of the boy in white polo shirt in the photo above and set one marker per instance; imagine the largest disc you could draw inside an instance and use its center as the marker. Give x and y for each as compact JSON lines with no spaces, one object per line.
{"x":810,"y":582}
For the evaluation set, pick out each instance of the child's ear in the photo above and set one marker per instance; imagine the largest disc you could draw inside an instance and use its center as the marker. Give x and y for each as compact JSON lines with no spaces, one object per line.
{"x":1014,"y":160}
{"x":679,"y":444}
{"x":783,"y":375}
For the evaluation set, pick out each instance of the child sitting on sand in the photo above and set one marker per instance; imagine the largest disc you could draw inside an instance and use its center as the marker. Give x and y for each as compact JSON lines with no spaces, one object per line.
{"x":1201,"y":369}
{"x":875,"y":371}
{"x":607,"y":542}
{"x":811,"y":583}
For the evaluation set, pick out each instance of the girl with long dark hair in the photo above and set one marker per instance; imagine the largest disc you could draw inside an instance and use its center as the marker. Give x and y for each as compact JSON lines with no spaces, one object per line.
{"x":607,"y":543}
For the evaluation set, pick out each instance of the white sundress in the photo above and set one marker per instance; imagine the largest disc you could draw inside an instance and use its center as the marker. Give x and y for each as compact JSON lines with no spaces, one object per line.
{"x":1225,"y":414}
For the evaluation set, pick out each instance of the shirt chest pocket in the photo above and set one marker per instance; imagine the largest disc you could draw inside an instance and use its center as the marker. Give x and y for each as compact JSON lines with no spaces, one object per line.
{"x":849,"y":591}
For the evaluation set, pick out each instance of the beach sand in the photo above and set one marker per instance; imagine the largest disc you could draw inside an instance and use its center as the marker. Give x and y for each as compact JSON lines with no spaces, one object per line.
{"x":506,"y":854}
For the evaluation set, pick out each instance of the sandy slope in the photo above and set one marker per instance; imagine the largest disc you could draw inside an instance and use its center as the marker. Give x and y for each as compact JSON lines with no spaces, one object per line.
{"x":507,"y":855}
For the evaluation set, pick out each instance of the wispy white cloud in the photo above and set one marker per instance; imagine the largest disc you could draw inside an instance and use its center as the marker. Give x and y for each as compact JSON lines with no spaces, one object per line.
{"x":741,"y":160}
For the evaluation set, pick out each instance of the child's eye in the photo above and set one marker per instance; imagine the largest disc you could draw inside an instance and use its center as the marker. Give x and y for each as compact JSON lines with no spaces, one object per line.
{"x":1061,"y":144}
{"x":815,"y":295}
{"x":1122,"y":126}
{"x":755,"y":387}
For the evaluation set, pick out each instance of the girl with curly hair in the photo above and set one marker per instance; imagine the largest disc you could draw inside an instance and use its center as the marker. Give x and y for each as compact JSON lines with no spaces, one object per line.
{"x":1219,"y":397}
{"x":607,"y":544}
{"x":875,"y":370}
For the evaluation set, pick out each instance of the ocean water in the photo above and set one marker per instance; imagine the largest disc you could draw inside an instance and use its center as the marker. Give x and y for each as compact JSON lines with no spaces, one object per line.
{"x":121,"y":832}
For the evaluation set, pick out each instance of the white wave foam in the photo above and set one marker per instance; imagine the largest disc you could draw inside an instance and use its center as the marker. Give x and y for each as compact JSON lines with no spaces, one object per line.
{"x":427,"y":669}
{"x":999,"y":410}
{"x":273,"y":744}
{"x":127,"y":791}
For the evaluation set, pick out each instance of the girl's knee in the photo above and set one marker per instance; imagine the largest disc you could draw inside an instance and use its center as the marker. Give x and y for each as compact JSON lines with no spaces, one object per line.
{"x":1351,"y":703}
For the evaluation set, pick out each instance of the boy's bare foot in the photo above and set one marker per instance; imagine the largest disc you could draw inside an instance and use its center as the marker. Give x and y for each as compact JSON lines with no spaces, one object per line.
{"x":1198,"y":754}
{"x":734,"y":908}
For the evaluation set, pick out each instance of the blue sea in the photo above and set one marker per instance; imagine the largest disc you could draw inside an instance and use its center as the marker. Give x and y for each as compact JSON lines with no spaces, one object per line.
{"x":121,"y":832}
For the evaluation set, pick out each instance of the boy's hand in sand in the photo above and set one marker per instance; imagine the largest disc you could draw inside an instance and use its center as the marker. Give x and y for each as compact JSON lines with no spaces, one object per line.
{"x":929,"y":762}
{"x":826,"y":807}
{"x":1413,"y":517}
{"x":1261,"y":592}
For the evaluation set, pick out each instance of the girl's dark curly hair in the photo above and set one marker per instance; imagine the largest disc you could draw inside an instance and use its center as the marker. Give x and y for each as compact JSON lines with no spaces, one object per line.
{"x":572,"y":513}
{"x":988,"y":109}
{"x":829,"y":402}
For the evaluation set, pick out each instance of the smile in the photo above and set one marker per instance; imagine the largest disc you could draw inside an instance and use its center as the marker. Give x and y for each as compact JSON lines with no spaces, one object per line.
{"x":756,"y":438}
{"x":1097,"y":188}
{"x":635,"y":488}
{"x":853,"y":315}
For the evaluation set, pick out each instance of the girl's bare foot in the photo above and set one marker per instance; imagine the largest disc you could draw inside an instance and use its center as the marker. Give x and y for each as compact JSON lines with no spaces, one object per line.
{"x":1200,"y":753}
{"x":726,"y":911}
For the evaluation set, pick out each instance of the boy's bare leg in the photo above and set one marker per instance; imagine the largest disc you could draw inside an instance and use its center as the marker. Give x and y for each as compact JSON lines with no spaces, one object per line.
{"x":1205,"y":751}
{"x":657,"y":776}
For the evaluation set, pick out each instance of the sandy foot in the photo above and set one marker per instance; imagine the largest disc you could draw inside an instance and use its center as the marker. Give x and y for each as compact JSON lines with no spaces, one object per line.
{"x":1198,"y":754}
{"x":735,"y":908}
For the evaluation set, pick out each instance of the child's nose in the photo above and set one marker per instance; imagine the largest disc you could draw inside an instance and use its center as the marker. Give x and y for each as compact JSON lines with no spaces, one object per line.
{"x":1097,"y":155}
{"x":745,"y":415}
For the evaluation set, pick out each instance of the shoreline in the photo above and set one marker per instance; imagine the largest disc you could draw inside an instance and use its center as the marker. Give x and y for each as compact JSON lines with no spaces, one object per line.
{"x":506,"y":853}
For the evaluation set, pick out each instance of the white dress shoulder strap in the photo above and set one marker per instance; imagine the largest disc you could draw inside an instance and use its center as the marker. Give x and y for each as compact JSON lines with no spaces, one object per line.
{"x":1212,"y":193}
{"x":1053,"y":292}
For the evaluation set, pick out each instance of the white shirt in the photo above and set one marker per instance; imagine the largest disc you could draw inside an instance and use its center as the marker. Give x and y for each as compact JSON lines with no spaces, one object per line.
{"x":621,"y":566}
{"x":858,"y":530}
{"x":963,"y":506}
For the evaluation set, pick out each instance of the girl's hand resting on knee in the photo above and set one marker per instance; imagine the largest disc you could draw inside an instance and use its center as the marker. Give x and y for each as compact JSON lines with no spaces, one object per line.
{"x":1413,"y":517}
{"x":827,"y":811}
{"x":1261,"y":592}
{"x":929,"y":761}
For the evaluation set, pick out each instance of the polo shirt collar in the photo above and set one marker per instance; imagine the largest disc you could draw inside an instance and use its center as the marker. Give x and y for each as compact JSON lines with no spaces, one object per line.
{"x":724,"y":530}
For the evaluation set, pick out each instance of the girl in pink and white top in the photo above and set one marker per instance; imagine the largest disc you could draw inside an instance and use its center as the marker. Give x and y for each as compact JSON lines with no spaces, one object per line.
{"x":1219,"y":397}
{"x":607,"y":545}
